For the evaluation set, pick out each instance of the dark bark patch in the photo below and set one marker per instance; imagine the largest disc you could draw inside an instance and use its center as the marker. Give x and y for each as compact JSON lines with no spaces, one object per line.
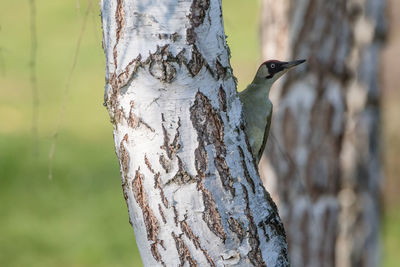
{"x":119,"y":115}
{"x":209,"y":128}
{"x":176,"y":216}
{"x":175,"y":145}
{"x":196,"y":62}
{"x":183,"y":251}
{"x":160,"y":64}
{"x":113,"y":81}
{"x":274,"y":223}
{"x":148,"y":164}
{"x":196,"y":17}
{"x":171,"y":148}
{"x":162,"y":244}
{"x":222,"y":99}
{"x":198,"y":12}
{"x":195,"y":239}
{"x":236,"y":227}
{"x":254,"y":254}
{"x":211,"y":215}
{"x":124,"y":159}
{"x":191,"y":36}
{"x":221,"y":70}
{"x":120,"y":19}
{"x":150,"y":220}
{"x":143,"y":123}
{"x":208,"y":123}
{"x":189,"y":233}
{"x":246,"y":171}
{"x":132,"y":120}
{"x":157,"y":184}
{"x":165,"y":163}
{"x":167,"y":36}
{"x":201,"y":159}
{"x":156,"y":254}
{"x":181,"y":177}
{"x":162,"y":214}
{"x":130,"y":70}
{"x":224,"y":174}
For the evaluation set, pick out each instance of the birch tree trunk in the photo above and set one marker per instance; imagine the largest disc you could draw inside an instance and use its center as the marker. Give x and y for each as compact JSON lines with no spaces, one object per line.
{"x":193,"y":193}
{"x":324,"y":151}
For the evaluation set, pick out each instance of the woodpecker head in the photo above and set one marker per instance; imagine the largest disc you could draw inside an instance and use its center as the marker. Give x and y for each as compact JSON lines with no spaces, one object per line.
{"x":271,"y":70}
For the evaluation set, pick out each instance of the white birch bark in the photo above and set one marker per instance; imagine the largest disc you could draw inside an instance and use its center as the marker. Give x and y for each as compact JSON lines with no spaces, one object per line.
{"x":193,"y":193}
{"x":324,"y":151}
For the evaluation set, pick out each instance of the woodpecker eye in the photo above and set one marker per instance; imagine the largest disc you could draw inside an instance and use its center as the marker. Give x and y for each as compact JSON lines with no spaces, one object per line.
{"x":272,"y":66}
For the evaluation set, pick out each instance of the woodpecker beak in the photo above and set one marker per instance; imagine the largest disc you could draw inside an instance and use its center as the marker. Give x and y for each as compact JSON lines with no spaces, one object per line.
{"x":291,"y":64}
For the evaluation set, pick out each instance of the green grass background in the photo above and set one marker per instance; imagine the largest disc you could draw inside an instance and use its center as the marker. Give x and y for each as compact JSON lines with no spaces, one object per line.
{"x":79,"y":218}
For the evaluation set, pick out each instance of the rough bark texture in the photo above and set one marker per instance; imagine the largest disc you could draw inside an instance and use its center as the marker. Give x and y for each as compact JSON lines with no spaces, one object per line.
{"x":324,"y":145}
{"x":193,"y":193}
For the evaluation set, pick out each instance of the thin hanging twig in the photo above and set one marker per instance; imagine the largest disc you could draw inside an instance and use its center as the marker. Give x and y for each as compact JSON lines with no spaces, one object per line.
{"x":66,"y":90}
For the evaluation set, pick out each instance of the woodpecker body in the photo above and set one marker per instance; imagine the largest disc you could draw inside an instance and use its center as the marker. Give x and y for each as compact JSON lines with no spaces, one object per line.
{"x":257,"y":107}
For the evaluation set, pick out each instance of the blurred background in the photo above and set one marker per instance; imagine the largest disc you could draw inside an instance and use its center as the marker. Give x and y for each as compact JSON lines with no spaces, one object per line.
{"x":79,"y":216}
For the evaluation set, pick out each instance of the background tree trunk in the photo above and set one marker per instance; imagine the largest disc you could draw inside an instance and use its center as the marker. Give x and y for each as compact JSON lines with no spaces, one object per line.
{"x":193,"y":193}
{"x":324,"y":146}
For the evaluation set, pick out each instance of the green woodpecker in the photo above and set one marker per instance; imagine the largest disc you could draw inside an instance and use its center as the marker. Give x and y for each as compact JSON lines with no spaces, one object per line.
{"x":257,"y":108}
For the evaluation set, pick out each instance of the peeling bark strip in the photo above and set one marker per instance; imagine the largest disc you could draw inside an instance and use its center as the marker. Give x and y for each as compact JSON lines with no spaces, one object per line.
{"x":124,"y":160}
{"x":171,"y":148}
{"x":183,"y":251}
{"x":162,"y":213}
{"x":150,"y":220}
{"x":211,"y":215}
{"x":201,"y":160}
{"x":181,"y":177}
{"x":246,"y":171}
{"x":156,"y":254}
{"x":236,"y":227}
{"x":148,"y":164}
{"x":132,"y":120}
{"x":119,"y":18}
{"x":207,"y":123}
{"x":221,"y":70}
{"x":222,"y":98}
{"x":210,"y":130}
{"x":224,"y":174}
{"x":165,"y":163}
{"x":158,"y":185}
{"x":255,"y":255}
{"x":197,"y":15}
{"x":195,"y":239}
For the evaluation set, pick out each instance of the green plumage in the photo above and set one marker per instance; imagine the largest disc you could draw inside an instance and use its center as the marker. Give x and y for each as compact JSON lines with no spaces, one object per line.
{"x":257,"y":112}
{"x":257,"y":108}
